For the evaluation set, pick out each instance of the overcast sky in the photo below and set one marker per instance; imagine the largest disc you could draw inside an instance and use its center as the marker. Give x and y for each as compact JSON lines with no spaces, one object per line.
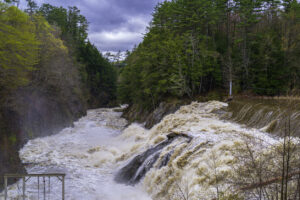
{"x":113,"y":24}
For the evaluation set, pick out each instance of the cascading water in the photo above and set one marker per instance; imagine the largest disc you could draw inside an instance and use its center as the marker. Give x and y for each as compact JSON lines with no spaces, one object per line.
{"x":191,"y":154}
{"x":270,"y":115}
{"x":200,"y":167}
{"x":87,"y":153}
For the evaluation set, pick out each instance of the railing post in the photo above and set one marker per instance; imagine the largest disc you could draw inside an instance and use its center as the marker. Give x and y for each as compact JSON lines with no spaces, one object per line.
{"x":44,"y":187}
{"x":63,"y":187}
{"x":38,"y":187}
{"x":5,"y":187}
{"x":23,"y":178}
{"x":61,"y":177}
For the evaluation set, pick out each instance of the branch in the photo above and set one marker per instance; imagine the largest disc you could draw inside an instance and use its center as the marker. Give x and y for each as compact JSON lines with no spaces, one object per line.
{"x":268,"y":182}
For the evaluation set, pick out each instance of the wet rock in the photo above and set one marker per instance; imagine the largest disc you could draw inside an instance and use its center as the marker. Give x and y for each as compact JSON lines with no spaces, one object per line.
{"x":165,"y":159}
{"x":159,"y":113}
{"x":136,"y":169}
{"x":150,"y":118}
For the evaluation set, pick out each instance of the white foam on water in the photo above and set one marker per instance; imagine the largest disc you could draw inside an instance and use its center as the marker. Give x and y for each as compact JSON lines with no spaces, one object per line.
{"x":212,"y":154}
{"x":87,"y":154}
{"x":96,"y":147}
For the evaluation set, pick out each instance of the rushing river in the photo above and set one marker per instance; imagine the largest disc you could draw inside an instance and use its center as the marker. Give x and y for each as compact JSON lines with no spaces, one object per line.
{"x":191,"y":154}
{"x":86,"y":153}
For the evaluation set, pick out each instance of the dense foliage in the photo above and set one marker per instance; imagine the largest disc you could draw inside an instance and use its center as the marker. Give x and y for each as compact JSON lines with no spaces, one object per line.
{"x":97,"y":73}
{"x":32,"y":44}
{"x":18,"y":48}
{"x":49,"y":75}
{"x":38,"y":75}
{"x":196,"y":46}
{"x":100,"y":75}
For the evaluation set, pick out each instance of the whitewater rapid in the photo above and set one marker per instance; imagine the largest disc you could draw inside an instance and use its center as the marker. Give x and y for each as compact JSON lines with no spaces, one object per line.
{"x":86,"y":153}
{"x":205,"y":166}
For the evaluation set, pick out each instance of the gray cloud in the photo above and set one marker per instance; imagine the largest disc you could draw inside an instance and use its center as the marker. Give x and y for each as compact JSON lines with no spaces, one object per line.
{"x":114,"y":24}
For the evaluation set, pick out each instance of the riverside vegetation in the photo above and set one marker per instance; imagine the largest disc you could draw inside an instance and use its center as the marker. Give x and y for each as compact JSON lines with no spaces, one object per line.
{"x":195,"y":47}
{"x":49,"y":74}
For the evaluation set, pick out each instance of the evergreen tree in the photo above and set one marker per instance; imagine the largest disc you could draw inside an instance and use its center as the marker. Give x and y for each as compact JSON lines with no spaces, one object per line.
{"x":196,"y":46}
{"x":31,"y":7}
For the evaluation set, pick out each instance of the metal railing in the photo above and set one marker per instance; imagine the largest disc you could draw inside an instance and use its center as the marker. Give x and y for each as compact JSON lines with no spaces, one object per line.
{"x":26,"y":177}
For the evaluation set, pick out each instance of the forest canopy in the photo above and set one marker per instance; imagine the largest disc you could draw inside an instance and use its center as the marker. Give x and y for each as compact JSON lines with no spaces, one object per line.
{"x":49,"y":45}
{"x":193,"y":47}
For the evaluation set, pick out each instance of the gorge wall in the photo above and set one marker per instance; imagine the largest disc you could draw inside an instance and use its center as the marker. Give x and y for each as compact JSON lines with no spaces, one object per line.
{"x":33,"y":112}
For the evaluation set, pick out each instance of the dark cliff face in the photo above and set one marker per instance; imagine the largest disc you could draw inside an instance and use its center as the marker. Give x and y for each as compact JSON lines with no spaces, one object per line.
{"x":136,"y":113}
{"x":152,"y":117}
{"x":43,"y":113}
{"x":31,"y":113}
{"x":9,"y":144}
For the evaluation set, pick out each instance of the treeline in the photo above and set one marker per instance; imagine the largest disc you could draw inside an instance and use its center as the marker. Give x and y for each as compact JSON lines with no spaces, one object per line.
{"x":50,"y":74}
{"x":98,"y":74}
{"x":196,"y":46}
{"x":50,"y":44}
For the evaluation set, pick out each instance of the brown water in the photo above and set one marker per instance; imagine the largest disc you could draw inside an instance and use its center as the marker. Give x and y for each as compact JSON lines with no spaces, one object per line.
{"x":271,"y":115}
{"x":190,"y":154}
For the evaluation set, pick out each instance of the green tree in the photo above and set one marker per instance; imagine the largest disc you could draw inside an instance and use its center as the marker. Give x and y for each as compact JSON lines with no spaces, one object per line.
{"x":195,"y":46}
{"x":97,"y":74}
{"x":18,"y":48}
{"x":31,"y":7}
{"x":100,"y":75}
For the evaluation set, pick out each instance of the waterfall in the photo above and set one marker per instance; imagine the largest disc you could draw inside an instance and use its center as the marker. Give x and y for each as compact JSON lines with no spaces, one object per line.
{"x":192,"y":153}
{"x":183,"y":166}
{"x":270,"y":115}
